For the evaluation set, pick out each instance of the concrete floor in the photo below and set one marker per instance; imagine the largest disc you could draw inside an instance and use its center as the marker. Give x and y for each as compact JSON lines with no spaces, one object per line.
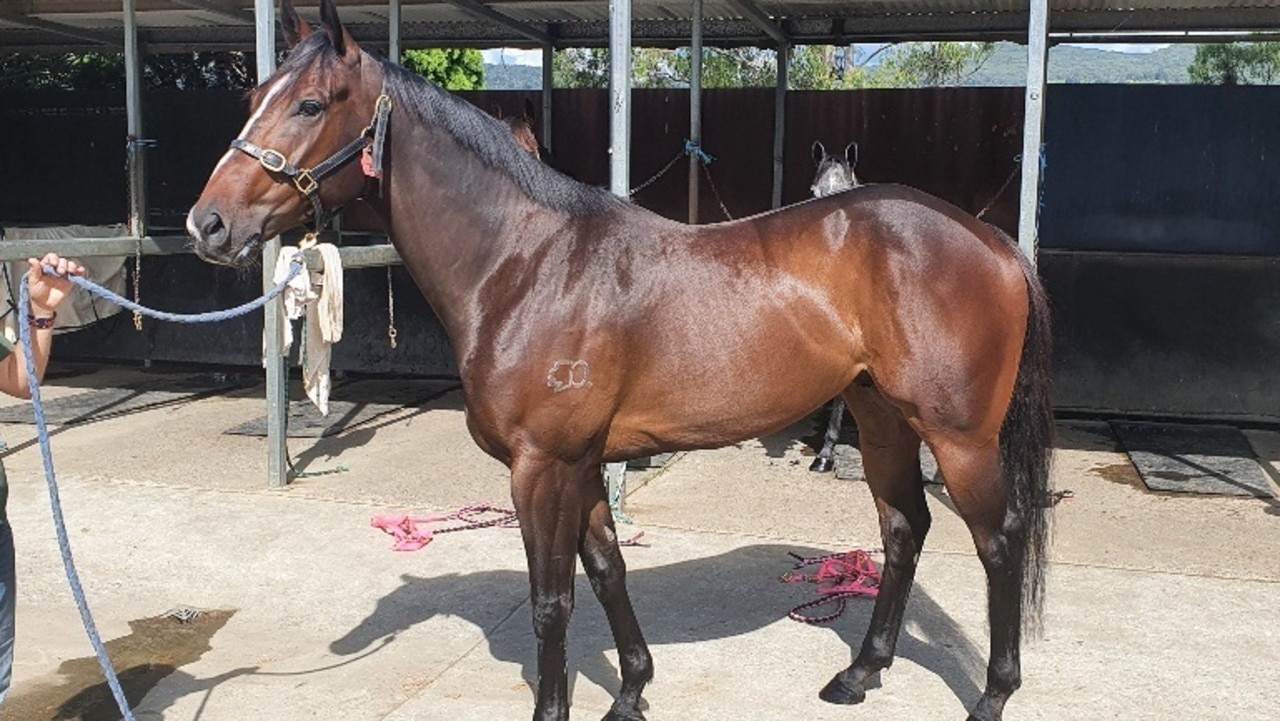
{"x":1159,"y":606}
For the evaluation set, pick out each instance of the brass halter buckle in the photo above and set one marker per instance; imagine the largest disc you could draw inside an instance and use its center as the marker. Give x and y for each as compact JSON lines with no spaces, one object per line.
{"x":305,"y":183}
{"x":273,"y":160}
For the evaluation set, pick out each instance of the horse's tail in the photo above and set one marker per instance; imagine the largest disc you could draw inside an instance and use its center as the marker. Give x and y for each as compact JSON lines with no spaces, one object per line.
{"x":1026,"y":447}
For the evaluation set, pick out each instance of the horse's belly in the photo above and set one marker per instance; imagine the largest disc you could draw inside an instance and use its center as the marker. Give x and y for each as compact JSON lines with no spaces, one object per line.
{"x":730,"y":393}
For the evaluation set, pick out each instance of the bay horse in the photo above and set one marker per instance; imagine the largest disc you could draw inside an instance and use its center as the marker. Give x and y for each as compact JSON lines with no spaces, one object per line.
{"x":589,"y":330}
{"x":833,"y":175}
{"x":522,"y":128}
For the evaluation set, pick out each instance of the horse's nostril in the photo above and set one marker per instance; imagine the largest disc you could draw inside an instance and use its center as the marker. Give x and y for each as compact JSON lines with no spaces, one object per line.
{"x":213,"y":229}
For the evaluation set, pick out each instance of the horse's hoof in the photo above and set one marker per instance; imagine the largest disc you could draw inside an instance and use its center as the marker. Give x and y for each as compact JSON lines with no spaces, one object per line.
{"x":822,"y":465}
{"x":615,"y":715}
{"x":839,"y":692}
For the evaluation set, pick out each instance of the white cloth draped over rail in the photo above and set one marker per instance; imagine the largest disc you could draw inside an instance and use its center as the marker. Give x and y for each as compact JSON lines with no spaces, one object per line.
{"x":318,"y":295}
{"x":81,"y":308}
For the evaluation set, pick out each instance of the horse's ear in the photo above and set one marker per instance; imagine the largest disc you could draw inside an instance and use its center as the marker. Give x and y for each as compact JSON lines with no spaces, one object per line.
{"x":819,"y":152}
{"x":292,"y":26}
{"x":529,"y":114}
{"x":342,"y":41}
{"x":852,"y":160}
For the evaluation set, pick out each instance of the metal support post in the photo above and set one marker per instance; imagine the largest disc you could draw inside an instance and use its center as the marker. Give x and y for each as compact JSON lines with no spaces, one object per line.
{"x":273,"y":318}
{"x":1033,"y":128}
{"x":133,"y":110}
{"x":548,"y":85}
{"x":695,"y":108}
{"x":780,"y":118}
{"x":619,"y":164}
{"x":393,"y":31}
{"x":620,"y":97}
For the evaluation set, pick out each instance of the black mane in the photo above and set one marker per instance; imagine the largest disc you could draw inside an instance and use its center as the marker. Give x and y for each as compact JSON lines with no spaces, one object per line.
{"x":491,"y":142}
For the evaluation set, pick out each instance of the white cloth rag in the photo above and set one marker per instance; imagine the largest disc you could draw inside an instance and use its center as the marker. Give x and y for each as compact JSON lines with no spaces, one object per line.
{"x":319,"y":297}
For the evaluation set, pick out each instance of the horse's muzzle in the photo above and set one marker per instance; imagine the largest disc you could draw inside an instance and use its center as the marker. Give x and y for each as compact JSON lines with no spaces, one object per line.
{"x":214,"y":242}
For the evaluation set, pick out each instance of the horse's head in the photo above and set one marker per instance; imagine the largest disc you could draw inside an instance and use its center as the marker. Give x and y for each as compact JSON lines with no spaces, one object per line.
{"x":835,"y":174}
{"x":522,"y":128}
{"x":297,"y":158}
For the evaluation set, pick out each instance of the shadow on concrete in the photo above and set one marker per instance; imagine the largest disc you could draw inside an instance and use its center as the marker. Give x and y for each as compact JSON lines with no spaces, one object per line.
{"x":692,"y":601}
{"x":330,"y":448}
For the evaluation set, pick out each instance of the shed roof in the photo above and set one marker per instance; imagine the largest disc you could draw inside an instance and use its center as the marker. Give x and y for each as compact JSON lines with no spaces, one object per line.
{"x":185,"y":25}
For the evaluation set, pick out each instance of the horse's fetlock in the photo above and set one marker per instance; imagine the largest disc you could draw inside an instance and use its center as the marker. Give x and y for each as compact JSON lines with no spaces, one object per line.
{"x":551,"y":611}
{"x":637,"y":665}
{"x":1004,"y":676}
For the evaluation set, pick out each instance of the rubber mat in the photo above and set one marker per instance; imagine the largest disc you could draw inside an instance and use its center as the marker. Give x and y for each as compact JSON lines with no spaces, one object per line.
{"x":1184,"y":458}
{"x":103,"y":403}
{"x":351,"y":404}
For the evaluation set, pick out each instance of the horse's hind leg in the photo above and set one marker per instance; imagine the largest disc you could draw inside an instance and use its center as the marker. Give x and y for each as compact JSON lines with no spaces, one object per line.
{"x":973,"y":478}
{"x":607,"y":571}
{"x":826,"y":457}
{"x":891,"y":459}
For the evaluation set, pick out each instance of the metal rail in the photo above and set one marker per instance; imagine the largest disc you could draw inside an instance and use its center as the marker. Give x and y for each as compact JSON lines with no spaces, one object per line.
{"x":358,"y":256}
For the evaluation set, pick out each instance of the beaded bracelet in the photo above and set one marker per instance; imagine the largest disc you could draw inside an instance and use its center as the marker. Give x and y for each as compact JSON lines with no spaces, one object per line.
{"x":42,"y":323}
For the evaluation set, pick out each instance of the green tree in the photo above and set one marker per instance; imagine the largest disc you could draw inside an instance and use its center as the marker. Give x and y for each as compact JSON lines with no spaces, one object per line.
{"x":69,"y":71}
{"x":932,"y":64}
{"x":1236,"y":64}
{"x":450,"y":68}
{"x":657,"y":68}
{"x":105,"y":71}
{"x":206,"y":70}
{"x":581,"y":68}
{"x":813,"y":67}
{"x":829,"y":67}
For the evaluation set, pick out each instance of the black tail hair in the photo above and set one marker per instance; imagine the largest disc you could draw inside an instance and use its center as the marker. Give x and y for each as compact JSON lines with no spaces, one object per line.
{"x":1026,"y":448}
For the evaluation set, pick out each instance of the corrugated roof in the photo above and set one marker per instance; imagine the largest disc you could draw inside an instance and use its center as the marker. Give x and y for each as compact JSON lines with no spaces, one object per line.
{"x":183,"y":25}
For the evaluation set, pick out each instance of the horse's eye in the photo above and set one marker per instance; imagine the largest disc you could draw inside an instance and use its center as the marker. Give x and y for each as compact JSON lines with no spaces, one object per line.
{"x":310,"y":108}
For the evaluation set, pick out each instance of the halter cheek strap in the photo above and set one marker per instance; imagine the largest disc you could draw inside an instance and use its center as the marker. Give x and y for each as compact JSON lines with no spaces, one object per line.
{"x":307,"y":180}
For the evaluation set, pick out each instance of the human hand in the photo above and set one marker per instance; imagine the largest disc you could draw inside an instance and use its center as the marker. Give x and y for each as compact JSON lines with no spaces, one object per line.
{"x":48,"y":291}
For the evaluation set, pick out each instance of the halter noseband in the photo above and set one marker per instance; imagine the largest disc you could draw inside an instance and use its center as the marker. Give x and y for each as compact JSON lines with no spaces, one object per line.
{"x":307,"y":180}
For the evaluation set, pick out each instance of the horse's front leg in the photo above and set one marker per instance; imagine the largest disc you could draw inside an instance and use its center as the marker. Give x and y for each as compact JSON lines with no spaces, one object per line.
{"x":547,"y":497}
{"x":604,"y":564}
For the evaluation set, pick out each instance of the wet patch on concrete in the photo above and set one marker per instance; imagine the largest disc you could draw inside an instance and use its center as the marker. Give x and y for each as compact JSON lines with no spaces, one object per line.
{"x":155,"y":648}
{"x":1122,"y":473}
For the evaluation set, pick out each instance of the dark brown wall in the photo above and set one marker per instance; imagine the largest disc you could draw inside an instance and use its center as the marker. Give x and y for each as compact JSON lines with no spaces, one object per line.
{"x":1186,"y":175}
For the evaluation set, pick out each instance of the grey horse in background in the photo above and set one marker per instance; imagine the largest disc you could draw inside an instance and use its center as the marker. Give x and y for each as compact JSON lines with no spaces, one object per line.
{"x":834,"y":175}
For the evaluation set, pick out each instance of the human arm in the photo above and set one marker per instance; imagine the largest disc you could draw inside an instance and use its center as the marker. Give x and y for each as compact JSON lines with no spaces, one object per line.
{"x":47,"y":293}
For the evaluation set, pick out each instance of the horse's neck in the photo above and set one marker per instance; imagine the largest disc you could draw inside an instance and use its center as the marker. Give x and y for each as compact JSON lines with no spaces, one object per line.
{"x":452,"y":218}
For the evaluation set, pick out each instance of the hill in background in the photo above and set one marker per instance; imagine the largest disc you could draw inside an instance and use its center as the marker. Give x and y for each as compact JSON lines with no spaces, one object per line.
{"x":1071,"y":64}
{"x":512,"y":77}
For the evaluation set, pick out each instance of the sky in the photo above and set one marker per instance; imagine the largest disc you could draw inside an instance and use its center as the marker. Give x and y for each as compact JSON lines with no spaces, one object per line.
{"x":513,"y":56}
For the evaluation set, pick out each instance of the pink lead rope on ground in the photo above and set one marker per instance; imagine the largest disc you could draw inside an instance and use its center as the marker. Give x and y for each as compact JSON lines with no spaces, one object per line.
{"x":412,"y":534}
{"x":840,"y":576}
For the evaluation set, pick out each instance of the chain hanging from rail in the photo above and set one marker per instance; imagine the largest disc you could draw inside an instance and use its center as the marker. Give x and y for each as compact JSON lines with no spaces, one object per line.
{"x":391,"y":311}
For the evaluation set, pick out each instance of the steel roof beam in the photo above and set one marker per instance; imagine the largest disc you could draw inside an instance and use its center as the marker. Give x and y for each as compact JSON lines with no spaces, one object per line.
{"x":481,"y":10}
{"x":761,"y":20}
{"x":222,"y":10}
{"x":62,"y":29}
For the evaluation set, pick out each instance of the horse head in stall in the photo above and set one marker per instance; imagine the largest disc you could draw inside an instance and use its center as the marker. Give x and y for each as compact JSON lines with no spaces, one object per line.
{"x":580,"y":326}
{"x":523,"y":128}
{"x":833,"y":175}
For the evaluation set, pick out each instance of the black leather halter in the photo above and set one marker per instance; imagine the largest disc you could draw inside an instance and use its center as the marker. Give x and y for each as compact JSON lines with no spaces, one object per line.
{"x":307,"y":180}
